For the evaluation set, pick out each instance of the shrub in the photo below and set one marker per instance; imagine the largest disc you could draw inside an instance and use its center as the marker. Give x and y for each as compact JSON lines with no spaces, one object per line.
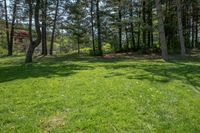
{"x":107,"y":48}
{"x":86,"y":50}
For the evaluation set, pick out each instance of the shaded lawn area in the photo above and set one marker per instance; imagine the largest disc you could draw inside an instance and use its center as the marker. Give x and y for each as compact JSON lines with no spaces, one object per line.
{"x":71,"y":94}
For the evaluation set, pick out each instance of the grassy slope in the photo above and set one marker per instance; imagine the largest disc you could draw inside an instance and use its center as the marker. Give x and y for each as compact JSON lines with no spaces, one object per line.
{"x":99,"y":95}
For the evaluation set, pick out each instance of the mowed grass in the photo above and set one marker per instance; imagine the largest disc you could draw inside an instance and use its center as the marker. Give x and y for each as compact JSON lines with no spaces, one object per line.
{"x":89,"y":95}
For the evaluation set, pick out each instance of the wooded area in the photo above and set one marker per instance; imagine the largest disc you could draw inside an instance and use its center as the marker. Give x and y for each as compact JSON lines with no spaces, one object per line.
{"x":104,"y":66}
{"x":171,"y":26}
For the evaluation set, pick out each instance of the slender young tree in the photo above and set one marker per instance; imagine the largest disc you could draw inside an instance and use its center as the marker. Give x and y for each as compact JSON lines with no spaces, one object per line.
{"x":54,"y":27}
{"x":7,"y":25}
{"x":11,"y":37}
{"x":127,"y":38}
{"x":92,"y":25}
{"x":144,"y":6}
{"x":150,"y":24}
{"x":197,"y":33}
{"x":132,"y":28}
{"x":78,"y":28}
{"x":120,"y":23}
{"x":44,"y":27}
{"x":77,"y":22}
{"x":98,"y":28}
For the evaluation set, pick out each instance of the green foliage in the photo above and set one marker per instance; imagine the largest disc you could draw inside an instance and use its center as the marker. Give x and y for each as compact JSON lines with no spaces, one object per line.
{"x":107,"y":48}
{"x":86,"y":50}
{"x":3,"y":43}
{"x":70,"y":94}
{"x":3,"y":51}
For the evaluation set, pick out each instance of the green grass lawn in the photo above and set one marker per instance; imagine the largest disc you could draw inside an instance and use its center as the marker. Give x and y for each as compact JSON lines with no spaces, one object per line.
{"x":89,"y":95}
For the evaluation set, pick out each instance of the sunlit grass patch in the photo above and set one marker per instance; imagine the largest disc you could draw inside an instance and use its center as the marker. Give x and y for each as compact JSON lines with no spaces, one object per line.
{"x":99,"y":95}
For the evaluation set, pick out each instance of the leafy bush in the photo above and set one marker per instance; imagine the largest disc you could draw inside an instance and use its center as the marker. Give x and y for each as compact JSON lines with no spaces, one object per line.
{"x":107,"y":48}
{"x":86,"y":50}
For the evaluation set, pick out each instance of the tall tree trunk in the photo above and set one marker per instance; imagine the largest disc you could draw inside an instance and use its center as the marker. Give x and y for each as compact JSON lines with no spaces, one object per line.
{"x":188,"y":27}
{"x":193,"y":34}
{"x":138,"y":37}
{"x":10,"y":46}
{"x":35,"y":43}
{"x":120,"y":24}
{"x":127,"y":41}
{"x":168,"y":20}
{"x":78,"y":36}
{"x":44,"y":27}
{"x":92,"y":23}
{"x":180,"y":27}
{"x":185,"y":25}
{"x":144,"y":21}
{"x":161,"y":30}
{"x":29,"y":53}
{"x":7,"y":25}
{"x":132,"y":36}
{"x":150,"y":24}
{"x":30,"y":50}
{"x":196,"y":35}
{"x":78,"y":43}
{"x":152,"y":40}
{"x":54,"y":27}
{"x":132,"y":28}
{"x":98,"y":29}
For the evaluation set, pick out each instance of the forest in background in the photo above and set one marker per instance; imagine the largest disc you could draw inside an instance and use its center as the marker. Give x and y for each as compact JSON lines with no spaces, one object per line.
{"x":99,"y":26}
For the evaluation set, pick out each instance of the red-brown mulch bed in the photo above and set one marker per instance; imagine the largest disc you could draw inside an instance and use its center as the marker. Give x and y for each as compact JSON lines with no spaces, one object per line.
{"x":132,"y":55}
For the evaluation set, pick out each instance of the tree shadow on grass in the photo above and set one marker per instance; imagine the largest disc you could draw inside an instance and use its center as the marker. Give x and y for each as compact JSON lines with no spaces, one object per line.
{"x":87,"y":59}
{"x":12,"y":68}
{"x":184,"y":71}
{"x":47,"y":70}
{"x":152,"y":70}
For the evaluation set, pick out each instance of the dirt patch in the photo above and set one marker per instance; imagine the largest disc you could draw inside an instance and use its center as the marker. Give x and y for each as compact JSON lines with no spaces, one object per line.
{"x":52,"y":123}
